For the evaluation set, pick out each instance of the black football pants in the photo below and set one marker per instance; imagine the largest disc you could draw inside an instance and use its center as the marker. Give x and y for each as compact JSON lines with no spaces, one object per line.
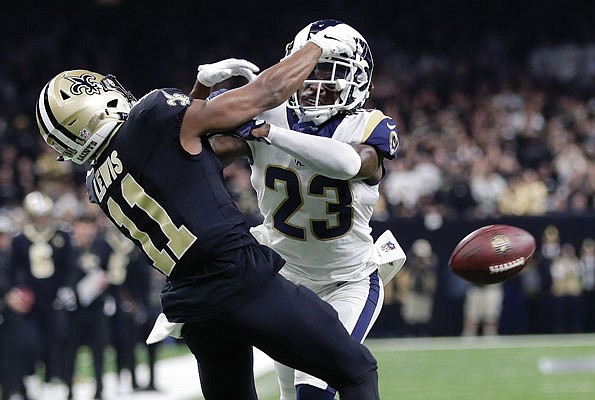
{"x":293,"y":326}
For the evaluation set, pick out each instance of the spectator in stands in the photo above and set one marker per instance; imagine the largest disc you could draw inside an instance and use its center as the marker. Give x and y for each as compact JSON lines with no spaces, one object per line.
{"x":481,"y":310}
{"x":41,"y":259}
{"x":566,"y":291}
{"x":487,"y":186}
{"x":13,"y":304}
{"x":419,"y":281}
{"x":532,"y":294}
{"x":545,"y":254}
{"x":152,"y":303}
{"x":128,"y":273}
{"x":88,"y":319}
{"x":526,"y":195}
{"x":587,"y":263}
{"x":10,"y":193}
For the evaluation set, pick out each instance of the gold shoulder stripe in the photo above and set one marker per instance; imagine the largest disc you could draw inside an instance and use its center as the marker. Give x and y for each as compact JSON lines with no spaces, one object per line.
{"x":373,"y":122}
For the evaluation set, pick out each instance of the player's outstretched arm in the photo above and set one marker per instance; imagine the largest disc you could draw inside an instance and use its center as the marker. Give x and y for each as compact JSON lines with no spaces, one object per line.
{"x":211,"y":74}
{"x":328,"y":156}
{"x":229,"y":110}
{"x":268,"y":90}
{"x":273,"y":86}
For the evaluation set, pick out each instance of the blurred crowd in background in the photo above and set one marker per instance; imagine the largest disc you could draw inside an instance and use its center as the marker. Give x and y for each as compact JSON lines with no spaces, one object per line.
{"x":495,"y":111}
{"x":485,"y":131}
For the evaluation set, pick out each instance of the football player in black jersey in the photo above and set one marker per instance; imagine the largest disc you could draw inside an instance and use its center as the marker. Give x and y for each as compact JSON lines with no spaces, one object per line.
{"x":15,"y":302}
{"x":41,"y":259}
{"x":88,"y":323}
{"x":317,"y":185}
{"x":156,"y":177}
{"x":129,"y":286}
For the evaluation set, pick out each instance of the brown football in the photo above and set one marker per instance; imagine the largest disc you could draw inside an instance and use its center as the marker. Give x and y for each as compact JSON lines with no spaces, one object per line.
{"x":492,"y":254}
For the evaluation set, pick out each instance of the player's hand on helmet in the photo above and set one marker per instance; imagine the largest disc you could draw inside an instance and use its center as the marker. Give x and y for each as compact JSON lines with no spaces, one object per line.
{"x":335,"y":40}
{"x":250,"y":131}
{"x":211,"y":74}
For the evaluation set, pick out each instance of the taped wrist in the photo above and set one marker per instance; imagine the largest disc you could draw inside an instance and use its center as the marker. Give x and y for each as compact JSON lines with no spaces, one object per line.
{"x":327,"y":156}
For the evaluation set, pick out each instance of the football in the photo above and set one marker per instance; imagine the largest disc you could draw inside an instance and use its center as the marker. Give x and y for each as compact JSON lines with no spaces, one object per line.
{"x":492,"y":254}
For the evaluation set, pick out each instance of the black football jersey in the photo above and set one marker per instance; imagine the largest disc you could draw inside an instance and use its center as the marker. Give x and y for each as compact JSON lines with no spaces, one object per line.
{"x":86,"y":262}
{"x":172,"y":204}
{"x":42,"y":261}
{"x":176,"y":208}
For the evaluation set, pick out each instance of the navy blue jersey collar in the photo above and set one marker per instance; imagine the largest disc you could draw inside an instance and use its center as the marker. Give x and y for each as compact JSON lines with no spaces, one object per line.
{"x":326,"y":129}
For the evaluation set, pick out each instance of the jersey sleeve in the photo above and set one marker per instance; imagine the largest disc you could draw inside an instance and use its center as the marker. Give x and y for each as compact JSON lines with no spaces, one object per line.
{"x":381,"y":133}
{"x":164,"y":109}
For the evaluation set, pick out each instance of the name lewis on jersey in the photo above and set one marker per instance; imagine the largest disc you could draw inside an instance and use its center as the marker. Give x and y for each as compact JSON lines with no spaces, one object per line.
{"x":106,"y":174}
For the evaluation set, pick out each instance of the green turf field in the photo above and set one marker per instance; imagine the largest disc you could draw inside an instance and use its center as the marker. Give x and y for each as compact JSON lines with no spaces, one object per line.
{"x":544,"y":367}
{"x":504,"y":368}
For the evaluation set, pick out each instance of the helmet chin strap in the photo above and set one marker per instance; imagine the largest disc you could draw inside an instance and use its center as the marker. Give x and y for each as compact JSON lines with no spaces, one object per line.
{"x":100,"y":139}
{"x":317,"y":116}
{"x":106,"y":132}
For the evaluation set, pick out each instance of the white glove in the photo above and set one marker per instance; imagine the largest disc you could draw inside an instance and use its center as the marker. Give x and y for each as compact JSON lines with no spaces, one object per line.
{"x":211,"y":74}
{"x":335,"y":40}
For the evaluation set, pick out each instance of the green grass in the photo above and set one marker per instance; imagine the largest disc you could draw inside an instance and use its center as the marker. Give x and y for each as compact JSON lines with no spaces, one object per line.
{"x":502,"y":368}
{"x":490,"y":369}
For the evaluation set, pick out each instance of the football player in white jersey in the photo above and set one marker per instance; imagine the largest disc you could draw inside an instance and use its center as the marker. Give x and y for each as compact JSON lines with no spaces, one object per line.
{"x":316,"y":167}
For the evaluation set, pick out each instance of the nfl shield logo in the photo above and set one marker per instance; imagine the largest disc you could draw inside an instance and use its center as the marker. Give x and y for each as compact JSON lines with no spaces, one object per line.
{"x":388,"y":246}
{"x":501,"y":244}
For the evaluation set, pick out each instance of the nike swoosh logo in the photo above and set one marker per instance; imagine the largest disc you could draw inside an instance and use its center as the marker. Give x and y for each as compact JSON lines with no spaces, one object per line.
{"x":391,"y":127}
{"x":330,"y":37}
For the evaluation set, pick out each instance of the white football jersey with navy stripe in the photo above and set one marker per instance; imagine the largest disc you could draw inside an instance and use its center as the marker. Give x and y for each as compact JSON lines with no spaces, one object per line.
{"x":320,"y":225}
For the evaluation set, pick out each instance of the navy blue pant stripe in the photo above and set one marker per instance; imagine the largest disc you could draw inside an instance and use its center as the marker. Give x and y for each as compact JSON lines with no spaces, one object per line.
{"x":365,"y":317}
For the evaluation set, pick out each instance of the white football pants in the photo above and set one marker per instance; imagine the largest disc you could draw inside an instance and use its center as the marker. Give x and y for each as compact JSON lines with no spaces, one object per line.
{"x":358,"y":304}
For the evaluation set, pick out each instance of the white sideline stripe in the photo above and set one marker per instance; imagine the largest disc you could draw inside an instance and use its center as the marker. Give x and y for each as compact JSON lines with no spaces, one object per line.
{"x":480,"y":342}
{"x":557,"y":365}
{"x":176,"y":379}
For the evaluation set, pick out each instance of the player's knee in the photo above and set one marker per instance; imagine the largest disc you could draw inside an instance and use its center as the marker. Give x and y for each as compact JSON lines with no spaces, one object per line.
{"x":364,"y":387}
{"x":307,"y":392}
{"x":367,"y":367}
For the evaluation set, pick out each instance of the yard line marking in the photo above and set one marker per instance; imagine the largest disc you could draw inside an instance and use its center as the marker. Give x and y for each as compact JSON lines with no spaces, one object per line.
{"x":557,"y":365}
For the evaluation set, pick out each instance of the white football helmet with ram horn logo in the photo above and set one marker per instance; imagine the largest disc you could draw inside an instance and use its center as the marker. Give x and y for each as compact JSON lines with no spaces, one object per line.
{"x":78,"y":110}
{"x":351,"y":76}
